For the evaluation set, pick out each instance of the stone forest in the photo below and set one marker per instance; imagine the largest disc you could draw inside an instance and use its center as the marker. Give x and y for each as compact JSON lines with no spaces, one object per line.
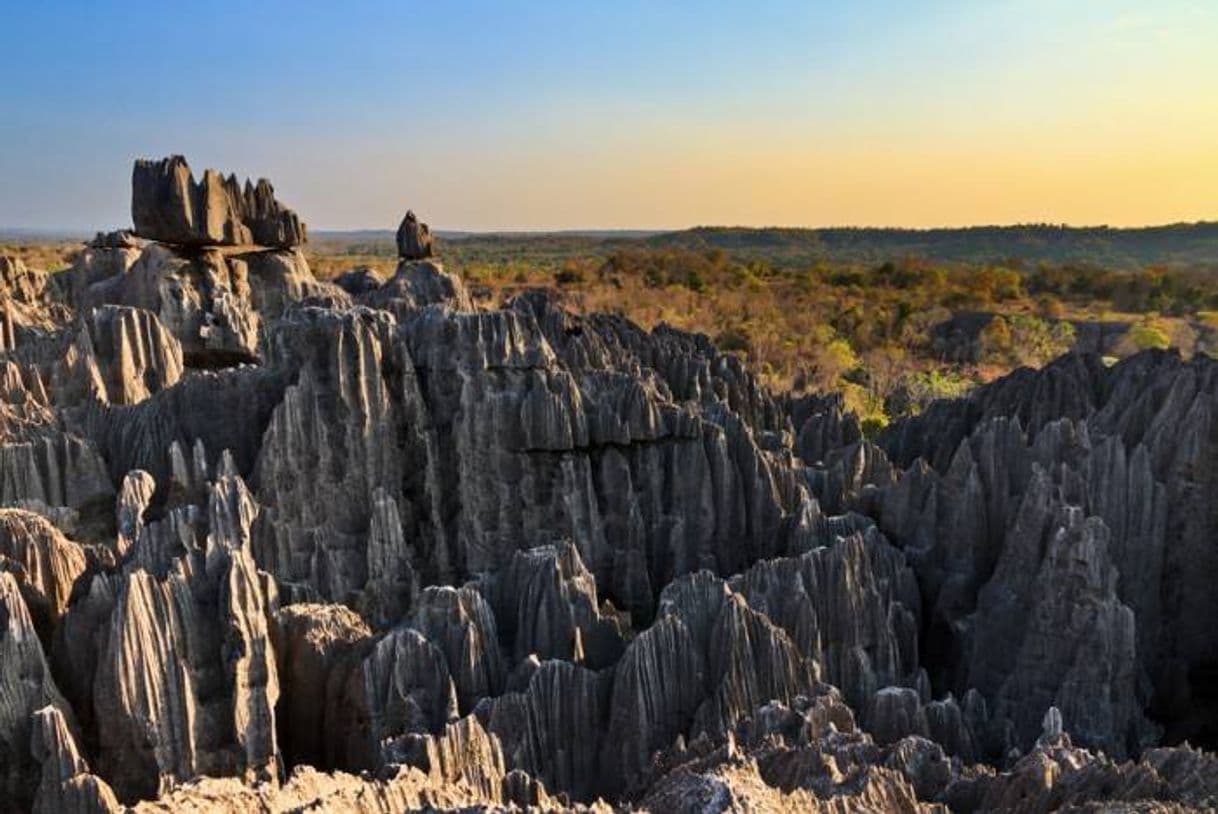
{"x":272,"y":543}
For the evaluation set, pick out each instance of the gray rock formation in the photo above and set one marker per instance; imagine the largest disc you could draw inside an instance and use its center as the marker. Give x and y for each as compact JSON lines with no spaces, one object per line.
{"x":546,"y":605}
{"x":117,"y":239}
{"x":182,"y":677}
{"x":324,"y":713}
{"x":270,"y":544}
{"x":137,"y":355}
{"x":1080,"y":476}
{"x":359,"y":281}
{"x":44,"y":563}
{"x":66,"y":784}
{"x":414,"y":239}
{"x":26,"y":685}
{"x":167,"y":205}
{"x":417,"y":284}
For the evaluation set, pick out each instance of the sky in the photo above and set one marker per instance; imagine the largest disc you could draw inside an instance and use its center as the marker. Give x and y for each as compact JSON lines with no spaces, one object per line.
{"x":651,"y":114}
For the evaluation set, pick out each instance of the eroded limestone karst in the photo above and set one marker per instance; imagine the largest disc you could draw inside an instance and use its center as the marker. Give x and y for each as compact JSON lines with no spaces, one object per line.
{"x":169,"y":206}
{"x":269,"y":543}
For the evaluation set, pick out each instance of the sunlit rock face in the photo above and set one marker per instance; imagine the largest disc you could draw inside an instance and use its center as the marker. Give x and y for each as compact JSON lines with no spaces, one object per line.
{"x":268,"y":543}
{"x":169,"y":206}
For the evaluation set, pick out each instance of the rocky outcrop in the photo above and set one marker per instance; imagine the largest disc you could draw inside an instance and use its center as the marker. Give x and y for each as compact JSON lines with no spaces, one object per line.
{"x":324,"y":715}
{"x":57,"y":474}
{"x":44,"y":563}
{"x":25,"y":307}
{"x":213,"y":303}
{"x":134,"y":497}
{"x":1103,"y":498}
{"x":688,"y":673}
{"x":183,"y":680}
{"x":66,"y":784}
{"x":213,"y":299}
{"x":262,"y":531}
{"x":461,"y":423}
{"x":1057,"y":776}
{"x":552,"y":728}
{"x":461,"y":625}
{"x":169,"y":206}
{"x":201,"y":298}
{"x":26,"y":685}
{"x":417,"y":284}
{"x":137,"y":355}
{"x":21,"y":284}
{"x":409,"y":691}
{"x":460,"y":770}
{"x":414,"y":239}
{"x":546,"y":605}
{"x":359,"y":281}
{"x":117,"y":239}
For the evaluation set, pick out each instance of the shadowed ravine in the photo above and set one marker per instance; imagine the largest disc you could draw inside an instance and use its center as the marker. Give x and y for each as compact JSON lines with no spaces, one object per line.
{"x":273,"y":543}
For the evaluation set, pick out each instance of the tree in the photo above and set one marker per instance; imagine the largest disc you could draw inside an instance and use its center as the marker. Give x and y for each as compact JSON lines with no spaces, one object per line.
{"x":1149,"y":335}
{"x":1035,"y":341}
{"x":830,"y":362}
{"x":885,"y":366}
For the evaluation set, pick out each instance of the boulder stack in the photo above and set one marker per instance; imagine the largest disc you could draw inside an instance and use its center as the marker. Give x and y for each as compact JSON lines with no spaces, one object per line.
{"x":169,"y":206}
{"x":414,"y":239}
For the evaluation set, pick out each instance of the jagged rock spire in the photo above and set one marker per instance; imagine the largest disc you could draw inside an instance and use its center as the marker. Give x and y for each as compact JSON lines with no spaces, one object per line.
{"x":414,"y":239}
{"x":168,"y":205}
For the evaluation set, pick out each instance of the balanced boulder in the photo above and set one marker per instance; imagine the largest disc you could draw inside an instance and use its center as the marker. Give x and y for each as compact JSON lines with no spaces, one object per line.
{"x":169,"y":206}
{"x":414,"y":239}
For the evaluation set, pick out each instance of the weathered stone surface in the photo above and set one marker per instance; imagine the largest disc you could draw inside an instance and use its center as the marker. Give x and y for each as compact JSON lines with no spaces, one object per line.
{"x":463,"y":421}
{"x":323,"y":715}
{"x":1080,"y":476}
{"x":46,"y":470}
{"x":137,"y":355}
{"x":168,"y":205}
{"x":339,"y":421}
{"x":359,"y":281}
{"x":409,"y":691}
{"x":66,"y":786}
{"x":200,"y":297}
{"x":214,"y":303}
{"x":417,"y":284}
{"x":895,"y":713}
{"x":460,"y":623}
{"x":414,"y":239}
{"x":25,"y":686}
{"x":546,"y":605}
{"x":552,"y":729}
{"x":460,"y":770}
{"x":134,"y":496}
{"x":185,"y":682}
{"x":721,"y":649}
{"x":453,"y":504}
{"x":19,"y":283}
{"x":117,"y":239}
{"x":45,"y":564}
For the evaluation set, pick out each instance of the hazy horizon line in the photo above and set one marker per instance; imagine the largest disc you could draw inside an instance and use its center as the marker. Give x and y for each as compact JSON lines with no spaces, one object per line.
{"x":74,"y":232}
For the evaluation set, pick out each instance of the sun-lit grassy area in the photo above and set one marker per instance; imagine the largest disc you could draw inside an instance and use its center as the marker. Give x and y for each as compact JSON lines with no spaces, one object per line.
{"x":874,"y":331}
{"x":46,"y":255}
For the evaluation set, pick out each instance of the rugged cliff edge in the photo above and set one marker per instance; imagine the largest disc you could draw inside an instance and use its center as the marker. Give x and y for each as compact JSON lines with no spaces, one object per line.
{"x":270,"y":544}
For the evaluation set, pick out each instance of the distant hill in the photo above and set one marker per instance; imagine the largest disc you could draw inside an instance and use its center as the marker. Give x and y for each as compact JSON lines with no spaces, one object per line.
{"x":453,"y":234}
{"x":1185,"y":244}
{"x":1182,"y":245}
{"x":19,"y":235}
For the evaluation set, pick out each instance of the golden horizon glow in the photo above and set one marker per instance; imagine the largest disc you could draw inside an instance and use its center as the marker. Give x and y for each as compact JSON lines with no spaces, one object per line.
{"x":558,"y":116}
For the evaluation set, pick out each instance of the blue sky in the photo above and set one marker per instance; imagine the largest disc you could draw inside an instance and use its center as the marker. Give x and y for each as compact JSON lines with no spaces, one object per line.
{"x":648,"y":114}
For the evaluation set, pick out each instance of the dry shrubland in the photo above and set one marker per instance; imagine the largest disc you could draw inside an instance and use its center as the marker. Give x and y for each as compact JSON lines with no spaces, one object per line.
{"x":892,"y":335}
